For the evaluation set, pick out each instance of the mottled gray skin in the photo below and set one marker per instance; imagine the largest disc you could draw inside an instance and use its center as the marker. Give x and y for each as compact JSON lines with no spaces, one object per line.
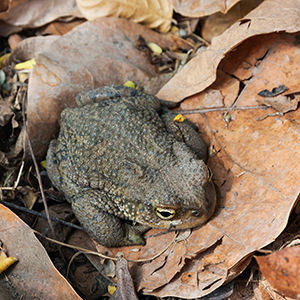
{"x":117,"y":158}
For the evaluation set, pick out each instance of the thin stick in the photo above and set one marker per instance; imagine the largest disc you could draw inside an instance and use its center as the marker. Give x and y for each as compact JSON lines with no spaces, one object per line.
{"x":35,"y":163}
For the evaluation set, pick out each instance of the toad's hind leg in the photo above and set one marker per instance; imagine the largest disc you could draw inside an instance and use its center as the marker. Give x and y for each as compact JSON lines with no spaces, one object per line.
{"x":105,"y":228}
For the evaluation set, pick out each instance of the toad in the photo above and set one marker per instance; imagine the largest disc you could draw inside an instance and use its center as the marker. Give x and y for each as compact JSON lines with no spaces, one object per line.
{"x":121,"y":159}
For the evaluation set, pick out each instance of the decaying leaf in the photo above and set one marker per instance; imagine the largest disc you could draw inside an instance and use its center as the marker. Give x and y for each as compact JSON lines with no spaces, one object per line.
{"x":30,"y":48}
{"x":6,"y":111}
{"x":282,"y":270}
{"x":61,"y":28}
{"x":155,"y":14}
{"x":281,"y":103}
{"x":4,"y":5}
{"x":125,"y":288}
{"x":193,"y":8}
{"x":29,"y":196}
{"x":201,"y":71}
{"x":34,"y":274}
{"x":215,"y":24}
{"x":31,"y":14}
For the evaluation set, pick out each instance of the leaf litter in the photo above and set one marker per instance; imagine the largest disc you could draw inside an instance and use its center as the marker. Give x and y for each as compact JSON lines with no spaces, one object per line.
{"x":257,"y":191}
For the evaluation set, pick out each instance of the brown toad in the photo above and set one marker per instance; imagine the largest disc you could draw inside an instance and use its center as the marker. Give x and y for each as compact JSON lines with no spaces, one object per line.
{"x":118,"y":156}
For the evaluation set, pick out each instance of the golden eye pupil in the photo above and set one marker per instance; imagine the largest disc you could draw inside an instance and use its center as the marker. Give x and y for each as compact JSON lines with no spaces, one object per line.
{"x":165,"y":213}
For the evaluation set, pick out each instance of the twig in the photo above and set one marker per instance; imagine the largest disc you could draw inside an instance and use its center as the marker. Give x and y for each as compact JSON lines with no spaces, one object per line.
{"x":23,"y":101}
{"x":38,"y":214}
{"x":86,"y":251}
{"x":280,"y":114}
{"x":19,"y":175}
{"x":206,"y":110}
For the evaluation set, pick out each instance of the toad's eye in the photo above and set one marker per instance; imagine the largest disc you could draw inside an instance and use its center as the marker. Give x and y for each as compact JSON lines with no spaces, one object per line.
{"x":165,"y":213}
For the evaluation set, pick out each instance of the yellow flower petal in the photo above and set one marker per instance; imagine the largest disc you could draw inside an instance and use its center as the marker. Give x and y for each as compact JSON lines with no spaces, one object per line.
{"x":43,"y":164}
{"x":3,"y":58}
{"x":25,"y":65}
{"x":129,"y":84}
{"x":6,"y":262}
{"x":111,"y":289}
{"x":154,"y":47}
{"x":179,"y":118}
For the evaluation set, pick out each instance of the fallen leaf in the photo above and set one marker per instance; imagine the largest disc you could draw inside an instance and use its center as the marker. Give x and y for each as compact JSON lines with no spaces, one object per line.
{"x":213,"y":98}
{"x":281,"y":103}
{"x":60,"y":28}
{"x":156,"y":14}
{"x":4,"y":5}
{"x":31,"y":14}
{"x":282,"y":271}
{"x":34,"y":274}
{"x":6,"y":112}
{"x":201,"y":71}
{"x":125,"y":288}
{"x":30,"y":48}
{"x":214,"y":25}
{"x":193,"y":8}
{"x":14,"y":40}
{"x":29,"y":196}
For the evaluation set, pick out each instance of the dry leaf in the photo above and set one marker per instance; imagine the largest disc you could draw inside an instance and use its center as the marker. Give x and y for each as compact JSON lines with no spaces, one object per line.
{"x":6,"y":112}
{"x":31,"y":14}
{"x":200,"y":72}
{"x":195,"y":9}
{"x":29,"y":196}
{"x":213,"y":98}
{"x":125,"y":288}
{"x":281,"y":103}
{"x":4,"y":4}
{"x":282,"y":270}
{"x":216,"y":24}
{"x":60,"y":28}
{"x":156,"y":14}
{"x":30,"y":48}
{"x":34,"y":274}
{"x":6,"y":263}
{"x":14,"y":40}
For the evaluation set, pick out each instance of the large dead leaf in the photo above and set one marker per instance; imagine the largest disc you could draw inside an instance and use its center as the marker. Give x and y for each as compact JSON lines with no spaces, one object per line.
{"x":151,"y":13}
{"x":196,"y":8}
{"x":29,"y":48}
{"x":200,"y":72}
{"x":34,"y":276}
{"x":214,"y":25}
{"x":282,"y":270}
{"x":30,"y":14}
{"x":96,"y":53}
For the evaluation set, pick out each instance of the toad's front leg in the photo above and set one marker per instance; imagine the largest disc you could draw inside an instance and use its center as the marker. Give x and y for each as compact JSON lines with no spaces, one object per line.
{"x":105,"y":228}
